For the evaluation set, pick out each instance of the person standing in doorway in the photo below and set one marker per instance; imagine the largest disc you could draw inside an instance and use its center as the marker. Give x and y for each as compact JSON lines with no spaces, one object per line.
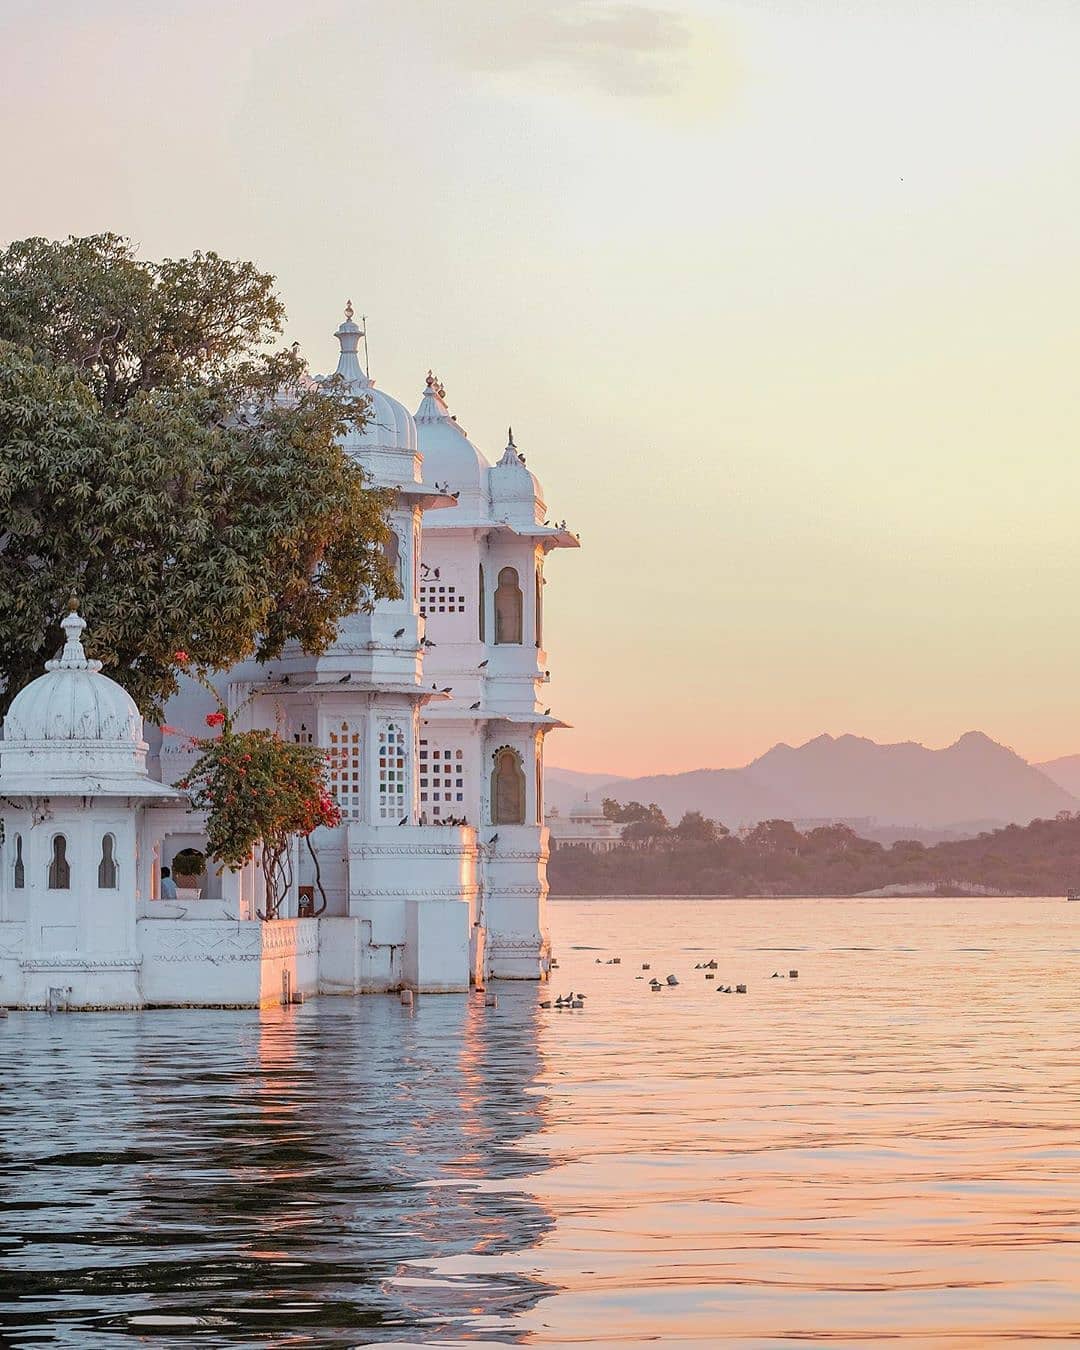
{"x":168,"y":886}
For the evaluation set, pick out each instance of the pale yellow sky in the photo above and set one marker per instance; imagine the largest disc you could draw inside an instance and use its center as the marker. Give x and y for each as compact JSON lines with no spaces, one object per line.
{"x":780,"y":299}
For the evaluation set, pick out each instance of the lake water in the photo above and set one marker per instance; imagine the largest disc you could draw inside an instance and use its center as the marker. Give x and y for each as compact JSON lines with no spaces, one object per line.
{"x":885,"y":1149}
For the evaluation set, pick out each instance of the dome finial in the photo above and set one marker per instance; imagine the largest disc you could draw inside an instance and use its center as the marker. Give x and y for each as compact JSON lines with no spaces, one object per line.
{"x":510,"y":436}
{"x":73,"y":657}
{"x":349,"y":311}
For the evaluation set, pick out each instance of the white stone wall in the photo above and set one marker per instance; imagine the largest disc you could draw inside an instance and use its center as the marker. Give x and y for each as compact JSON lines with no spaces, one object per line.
{"x":216,"y":963}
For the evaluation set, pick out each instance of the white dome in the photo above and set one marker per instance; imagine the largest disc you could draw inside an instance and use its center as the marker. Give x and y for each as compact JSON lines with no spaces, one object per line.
{"x":390,"y":425}
{"x":587,"y":810}
{"x":513,"y":488}
{"x":73,"y":701}
{"x":449,"y":456}
{"x":72,"y":726}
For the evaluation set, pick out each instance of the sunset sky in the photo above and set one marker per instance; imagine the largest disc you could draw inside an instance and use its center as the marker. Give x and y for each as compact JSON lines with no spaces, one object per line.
{"x":781,"y":299}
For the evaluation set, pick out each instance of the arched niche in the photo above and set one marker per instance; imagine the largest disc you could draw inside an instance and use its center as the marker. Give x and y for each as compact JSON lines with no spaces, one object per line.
{"x":392,"y":550}
{"x":508,"y":607}
{"x":538,"y":608}
{"x":507,"y":787}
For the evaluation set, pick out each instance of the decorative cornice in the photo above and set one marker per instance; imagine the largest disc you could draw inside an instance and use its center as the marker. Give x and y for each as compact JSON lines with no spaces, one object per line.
{"x":503,"y":942}
{"x":414,"y":893}
{"x":80,"y":961}
{"x":464,"y":850}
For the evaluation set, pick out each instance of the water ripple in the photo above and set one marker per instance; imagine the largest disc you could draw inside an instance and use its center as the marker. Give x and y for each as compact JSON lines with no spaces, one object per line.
{"x":884,"y":1148}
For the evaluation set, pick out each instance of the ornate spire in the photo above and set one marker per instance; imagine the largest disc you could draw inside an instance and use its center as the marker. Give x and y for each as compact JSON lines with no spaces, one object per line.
{"x":433,"y":403}
{"x":348,"y":335}
{"x":73,"y":657}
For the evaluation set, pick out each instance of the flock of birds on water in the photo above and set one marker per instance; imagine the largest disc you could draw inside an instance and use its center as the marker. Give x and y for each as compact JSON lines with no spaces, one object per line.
{"x":708,"y":968}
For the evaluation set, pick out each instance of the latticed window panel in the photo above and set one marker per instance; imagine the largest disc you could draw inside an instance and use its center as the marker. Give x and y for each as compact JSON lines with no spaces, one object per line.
{"x":346,"y":769}
{"x":442,"y":780}
{"x":393,"y":772}
{"x":439,"y":598}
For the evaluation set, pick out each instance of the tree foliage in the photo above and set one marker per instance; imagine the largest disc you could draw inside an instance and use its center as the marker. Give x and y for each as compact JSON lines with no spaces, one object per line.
{"x":775,"y":858}
{"x":160,"y":459}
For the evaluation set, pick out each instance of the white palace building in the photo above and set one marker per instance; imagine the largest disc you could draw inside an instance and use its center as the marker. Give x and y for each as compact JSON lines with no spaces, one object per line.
{"x":432,"y":707}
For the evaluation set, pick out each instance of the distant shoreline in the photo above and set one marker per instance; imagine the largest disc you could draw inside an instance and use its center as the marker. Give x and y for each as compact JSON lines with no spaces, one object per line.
{"x":870,"y":899}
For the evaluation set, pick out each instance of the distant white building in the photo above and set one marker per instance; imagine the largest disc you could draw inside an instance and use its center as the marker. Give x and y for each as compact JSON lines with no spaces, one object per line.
{"x":583,"y":826}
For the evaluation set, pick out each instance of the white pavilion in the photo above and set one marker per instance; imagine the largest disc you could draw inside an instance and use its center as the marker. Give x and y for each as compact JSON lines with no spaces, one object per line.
{"x":432,"y":708}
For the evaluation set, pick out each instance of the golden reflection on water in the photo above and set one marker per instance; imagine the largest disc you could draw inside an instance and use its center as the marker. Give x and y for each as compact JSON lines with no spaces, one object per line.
{"x":886,"y":1147}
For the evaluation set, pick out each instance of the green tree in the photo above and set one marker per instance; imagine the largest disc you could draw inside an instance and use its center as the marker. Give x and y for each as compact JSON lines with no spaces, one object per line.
{"x":694,"y":828}
{"x":835,"y":838}
{"x":775,"y":836}
{"x":634,"y":812}
{"x":257,"y":788}
{"x":162,"y":459}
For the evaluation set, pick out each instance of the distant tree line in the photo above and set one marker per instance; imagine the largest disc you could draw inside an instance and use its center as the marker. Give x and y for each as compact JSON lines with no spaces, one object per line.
{"x":698,"y":856}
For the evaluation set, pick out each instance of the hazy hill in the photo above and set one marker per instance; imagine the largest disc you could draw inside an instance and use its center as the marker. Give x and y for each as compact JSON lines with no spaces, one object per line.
{"x":975,"y":782}
{"x":730,"y":795}
{"x":1065,"y":772}
{"x":564,"y":788}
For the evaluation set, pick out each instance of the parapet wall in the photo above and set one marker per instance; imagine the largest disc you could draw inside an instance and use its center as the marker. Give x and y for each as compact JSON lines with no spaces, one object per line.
{"x":220,"y":963}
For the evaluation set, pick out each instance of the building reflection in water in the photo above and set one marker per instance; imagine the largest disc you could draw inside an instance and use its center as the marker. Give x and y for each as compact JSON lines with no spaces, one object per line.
{"x":287,"y":1174}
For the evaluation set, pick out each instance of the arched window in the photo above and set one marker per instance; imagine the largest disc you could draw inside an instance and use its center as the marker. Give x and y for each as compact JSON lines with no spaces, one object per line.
{"x":393,"y":772}
{"x":19,"y":869}
{"x":106,"y":868}
{"x":481,"y":607}
{"x":59,"y":871}
{"x":538,"y":609}
{"x":508,"y":606}
{"x":507,"y":788}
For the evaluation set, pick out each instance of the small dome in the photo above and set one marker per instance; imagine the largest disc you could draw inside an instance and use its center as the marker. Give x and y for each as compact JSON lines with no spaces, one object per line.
{"x":74,"y":732}
{"x":586,"y":809}
{"x":73,"y":701}
{"x":449,"y":456}
{"x":513,"y":488}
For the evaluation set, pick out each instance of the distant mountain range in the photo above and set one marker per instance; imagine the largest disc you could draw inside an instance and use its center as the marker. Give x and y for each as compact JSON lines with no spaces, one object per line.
{"x":974,"y":784}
